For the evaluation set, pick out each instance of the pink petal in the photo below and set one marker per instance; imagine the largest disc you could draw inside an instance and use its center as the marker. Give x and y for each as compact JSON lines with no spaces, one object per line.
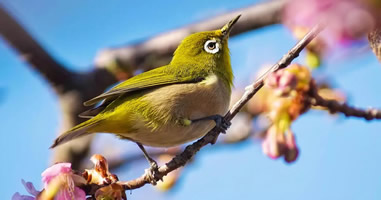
{"x":290,"y":140}
{"x":18,"y":196}
{"x":79,"y":194}
{"x":65,"y":194}
{"x":30,"y":188}
{"x":347,"y":20}
{"x":270,"y":146}
{"x":55,"y":170}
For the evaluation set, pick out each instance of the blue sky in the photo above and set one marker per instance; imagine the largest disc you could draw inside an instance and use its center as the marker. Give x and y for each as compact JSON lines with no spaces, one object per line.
{"x":339,"y":157}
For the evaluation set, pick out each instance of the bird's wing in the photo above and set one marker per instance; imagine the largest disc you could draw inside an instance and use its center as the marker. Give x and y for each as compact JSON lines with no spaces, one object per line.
{"x":147,"y":80}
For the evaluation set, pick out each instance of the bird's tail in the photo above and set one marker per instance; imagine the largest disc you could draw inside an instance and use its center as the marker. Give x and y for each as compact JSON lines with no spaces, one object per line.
{"x":76,"y":132}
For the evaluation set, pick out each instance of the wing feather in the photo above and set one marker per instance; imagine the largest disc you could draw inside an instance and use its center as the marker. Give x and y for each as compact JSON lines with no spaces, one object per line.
{"x":147,"y":80}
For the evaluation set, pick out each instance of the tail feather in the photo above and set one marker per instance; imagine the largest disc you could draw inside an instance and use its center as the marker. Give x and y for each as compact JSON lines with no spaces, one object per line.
{"x":76,"y":132}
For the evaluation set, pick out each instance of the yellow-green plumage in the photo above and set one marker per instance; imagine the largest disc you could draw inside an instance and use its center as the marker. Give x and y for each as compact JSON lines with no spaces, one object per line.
{"x":156,"y":108}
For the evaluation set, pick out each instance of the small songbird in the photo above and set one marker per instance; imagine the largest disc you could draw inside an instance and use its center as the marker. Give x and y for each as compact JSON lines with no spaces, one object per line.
{"x":169,"y":105}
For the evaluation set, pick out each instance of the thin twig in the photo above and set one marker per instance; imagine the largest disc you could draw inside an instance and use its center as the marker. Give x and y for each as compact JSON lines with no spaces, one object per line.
{"x":181,"y":159}
{"x":337,"y":107}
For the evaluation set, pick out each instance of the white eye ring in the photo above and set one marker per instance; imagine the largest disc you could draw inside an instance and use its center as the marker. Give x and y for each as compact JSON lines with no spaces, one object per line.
{"x":211,"y":46}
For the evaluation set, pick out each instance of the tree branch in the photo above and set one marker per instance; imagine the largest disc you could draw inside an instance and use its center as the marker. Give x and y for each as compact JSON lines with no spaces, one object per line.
{"x":31,"y":51}
{"x":72,"y":88}
{"x":181,"y":159}
{"x":334,"y":107}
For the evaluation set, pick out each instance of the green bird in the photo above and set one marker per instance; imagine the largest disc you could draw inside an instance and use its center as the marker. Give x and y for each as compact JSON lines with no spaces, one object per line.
{"x":169,"y":105}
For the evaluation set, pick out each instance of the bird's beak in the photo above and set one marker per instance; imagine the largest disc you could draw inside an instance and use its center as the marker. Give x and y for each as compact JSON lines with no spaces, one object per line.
{"x":225,"y":30}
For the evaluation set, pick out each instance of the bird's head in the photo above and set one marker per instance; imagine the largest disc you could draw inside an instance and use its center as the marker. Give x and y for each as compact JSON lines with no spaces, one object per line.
{"x":209,"y":48}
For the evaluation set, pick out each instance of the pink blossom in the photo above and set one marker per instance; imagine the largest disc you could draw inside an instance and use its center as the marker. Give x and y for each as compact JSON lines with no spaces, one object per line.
{"x":30,"y":189}
{"x":277,"y":144}
{"x":69,"y":195}
{"x":18,"y":196}
{"x":59,"y":177}
{"x":283,"y":81}
{"x":271,"y":146}
{"x":346,"y":20}
{"x":60,"y":184}
{"x":55,"y":170}
{"x":294,"y":78}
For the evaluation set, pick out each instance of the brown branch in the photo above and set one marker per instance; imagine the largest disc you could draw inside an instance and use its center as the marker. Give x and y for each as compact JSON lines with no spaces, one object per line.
{"x":72,"y":88}
{"x":158,"y":50}
{"x":31,"y":51}
{"x":336,"y":107}
{"x":181,"y":159}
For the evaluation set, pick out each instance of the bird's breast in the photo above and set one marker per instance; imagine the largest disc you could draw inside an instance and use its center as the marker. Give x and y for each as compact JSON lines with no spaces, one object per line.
{"x":182,"y":101}
{"x":193,"y":101}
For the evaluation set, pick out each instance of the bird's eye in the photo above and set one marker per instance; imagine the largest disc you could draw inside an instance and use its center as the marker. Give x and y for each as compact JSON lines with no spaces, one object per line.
{"x":211,"y":46}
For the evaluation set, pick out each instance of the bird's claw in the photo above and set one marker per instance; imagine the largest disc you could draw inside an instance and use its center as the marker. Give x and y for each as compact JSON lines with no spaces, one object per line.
{"x":221,"y":124}
{"x":152,"y":173}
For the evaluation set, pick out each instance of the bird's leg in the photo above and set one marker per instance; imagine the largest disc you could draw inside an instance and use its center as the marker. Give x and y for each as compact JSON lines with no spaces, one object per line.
{"x":221,"y":123}
{"x":153,"y":171}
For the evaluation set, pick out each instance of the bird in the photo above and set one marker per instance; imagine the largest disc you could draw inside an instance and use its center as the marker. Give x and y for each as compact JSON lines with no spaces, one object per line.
{"x":169,"y":105}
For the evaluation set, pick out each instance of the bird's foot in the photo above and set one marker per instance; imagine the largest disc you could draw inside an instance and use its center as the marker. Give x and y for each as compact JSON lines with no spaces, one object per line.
{"x":152,"y":173}
{"x":221,"y":124}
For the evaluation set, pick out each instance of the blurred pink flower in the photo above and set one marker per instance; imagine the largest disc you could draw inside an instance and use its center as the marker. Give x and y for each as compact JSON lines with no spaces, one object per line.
{"x":294,"y":78}
{"x":273,"y":144}
{"x":59,"y":183}
{"x":289,"y":86}
{"x":346,"y":20}
{"x":30,"y":189}
{"x":55,"y":170}
{"x":277,"y":144}
{"x":18,"y":196}
{"x":284,"y":81}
